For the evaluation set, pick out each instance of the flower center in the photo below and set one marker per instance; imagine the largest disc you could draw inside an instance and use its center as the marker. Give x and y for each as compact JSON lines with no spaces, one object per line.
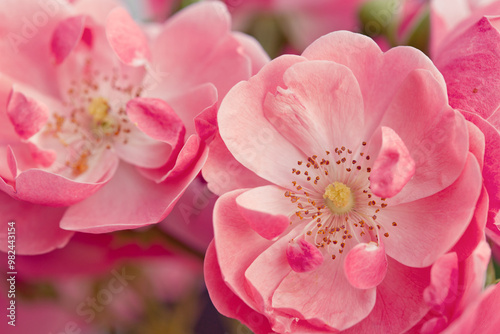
{"x":98,"y":108}
{"x":101,"y":121}
{"x":339,"y":198}
{"x":339,"y":181}
{"x":92,"y":118}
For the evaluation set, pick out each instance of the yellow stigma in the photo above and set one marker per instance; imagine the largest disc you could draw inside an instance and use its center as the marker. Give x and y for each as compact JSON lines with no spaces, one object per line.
{"x":103,"y":123}
{"x":99,"y":108}
{"x":339,"y":198}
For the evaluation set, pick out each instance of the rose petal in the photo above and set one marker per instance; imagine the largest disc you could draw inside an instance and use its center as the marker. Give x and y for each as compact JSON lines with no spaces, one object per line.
{"x":266,"y":209}
{"x":37,"y":226}
{"x":394,"y":166}
{"x":126,"y":38}
{"x":366,"y":265}
{"x":303,"y":256}
{"x":27,"y":115}
{"x":66,"y":37}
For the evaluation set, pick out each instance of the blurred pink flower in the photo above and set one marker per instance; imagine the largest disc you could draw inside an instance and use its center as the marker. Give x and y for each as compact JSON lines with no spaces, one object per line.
{"x":362,"y":155}
{"x":466,"y":39}
{"x":303,"y":20}
{"x":97,"y":111}
{"x":129,"y":274}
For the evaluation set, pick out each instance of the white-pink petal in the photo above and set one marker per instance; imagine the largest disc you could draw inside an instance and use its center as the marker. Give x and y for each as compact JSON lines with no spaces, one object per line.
{"x":266,"y":209}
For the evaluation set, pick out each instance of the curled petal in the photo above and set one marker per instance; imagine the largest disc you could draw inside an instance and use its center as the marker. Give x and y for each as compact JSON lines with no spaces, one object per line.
{"x":27,"y":115}
{"x":303,"y":256}
{"x":394,"y":166}
{"x":66,"y":37}
{"x":126,"y":38}
{"x":366,"y":265}
{"x":265,"y":214}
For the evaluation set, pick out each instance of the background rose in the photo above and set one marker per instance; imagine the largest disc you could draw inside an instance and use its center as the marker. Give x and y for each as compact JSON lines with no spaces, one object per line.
{"x":98,"y":109}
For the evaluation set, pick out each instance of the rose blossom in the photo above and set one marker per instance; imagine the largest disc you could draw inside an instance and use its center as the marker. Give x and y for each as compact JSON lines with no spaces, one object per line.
{"x":98,"y":115}
{"x":369,"y":181}
{"x":465,"y":38}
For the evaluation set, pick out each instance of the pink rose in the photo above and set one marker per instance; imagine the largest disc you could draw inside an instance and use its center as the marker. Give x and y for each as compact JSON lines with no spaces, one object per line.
{"x":465,"y":50}
{"x":369,"y":177}
{"x":98,"y":116}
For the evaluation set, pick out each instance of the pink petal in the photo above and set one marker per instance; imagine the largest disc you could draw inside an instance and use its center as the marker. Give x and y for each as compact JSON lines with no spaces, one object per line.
{"x":320,"y":107}
{"x":481,"y":317}
{"x":7,"y":132}
{"x":128,"y":201}
{"x":11,"y":164}
{"x":366,"y":265}
{"x":46,"y":188}
{"x":399,"y":304}
{"x":475,"y":231}
{"x":97,"y":9}
{"x":253,"y":50}
{"x":226,"y":301}
{"x":206,"y":124}
{"x":444,"y":283}
{"x":266,"y":209}
{"x":37,"y":227}
{"x":156,"y":118}
{"x":367,"y":62}
{"x":44,"y":158}
{"x":25,"y":46}
{"x":445,"y":15}
{"x":303,"y":256}
{"x":126,"y":38}
{"x":417,"y":240}
{"x":223,"y":173}
{"x":434,"y":325}
{"x":477,"y":142}
{"x":323,"y":297}
{"x":205,"y":50}
{"x":157,"y":132}
{"x":41,"y":187}
{"x":178,"y":163}
{"x":491,"y":170}
{"x":27,"y":115}
{"x":470,"y":73}
{"x":246,"y":131}
{"x":394,"y":166}
{"x":236,"y":242}
{"x":191,"y":103}
{"x":435,"y":135}
{"x":473,"y":275}
{"x":191,"y":219}
{"x":66,"y":37}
